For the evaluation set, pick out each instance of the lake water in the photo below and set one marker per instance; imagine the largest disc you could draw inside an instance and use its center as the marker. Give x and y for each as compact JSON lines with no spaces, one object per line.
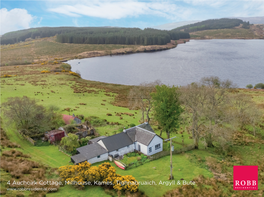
{"x":241,"y":61}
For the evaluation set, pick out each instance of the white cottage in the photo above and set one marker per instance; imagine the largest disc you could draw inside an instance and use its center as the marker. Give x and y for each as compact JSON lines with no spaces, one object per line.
{"x":141,"y":138}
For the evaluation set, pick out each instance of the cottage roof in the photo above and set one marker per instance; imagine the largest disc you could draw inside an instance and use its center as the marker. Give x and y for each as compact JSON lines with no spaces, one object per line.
{"x":131,"y":132}
{"x":91,"y":150}
{"x":144,"y":136}
{"x":117,"y":141}
{"x":146,"y":126}
{"x":142,"y":133}
{"x":78,"y":158}
{"x":97,"y":139}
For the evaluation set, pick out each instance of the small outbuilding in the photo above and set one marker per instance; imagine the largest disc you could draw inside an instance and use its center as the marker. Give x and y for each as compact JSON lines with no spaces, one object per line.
{"x":54,"y":135}
{"x":68,"y":119}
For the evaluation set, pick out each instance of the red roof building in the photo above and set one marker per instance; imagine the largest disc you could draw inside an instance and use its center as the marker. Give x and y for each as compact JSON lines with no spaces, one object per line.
{"x":68,"y":119}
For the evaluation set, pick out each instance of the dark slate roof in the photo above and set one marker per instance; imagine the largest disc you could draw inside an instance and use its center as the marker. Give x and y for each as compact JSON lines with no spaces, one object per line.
{"x":142,"y":133}
{"x":144,"y":136}
{"x":131,"y":132}
{"x":97,"y":139}
{"x":146,"y":126}
{"x":91,"y":150}
{"x":117,"y":141}
{"x":78,"y":158}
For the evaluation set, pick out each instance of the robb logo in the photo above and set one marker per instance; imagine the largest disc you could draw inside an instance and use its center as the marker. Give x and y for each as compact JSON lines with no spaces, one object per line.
{"x":245,"y":177}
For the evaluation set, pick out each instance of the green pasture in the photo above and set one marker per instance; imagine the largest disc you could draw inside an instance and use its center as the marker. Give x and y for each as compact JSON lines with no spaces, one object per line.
{"x":97,"y":103}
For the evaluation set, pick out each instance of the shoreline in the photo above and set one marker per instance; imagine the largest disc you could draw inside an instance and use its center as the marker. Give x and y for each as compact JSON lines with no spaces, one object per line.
{"x":128,"y":50}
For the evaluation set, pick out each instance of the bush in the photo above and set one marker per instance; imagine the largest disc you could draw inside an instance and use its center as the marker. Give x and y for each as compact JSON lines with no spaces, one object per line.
{"x":83,"y":141}
{"x":70,"y":128}
{"x":65,"y":66}
{"x":249,"y":86}
{"x":132,"y":125}
{"x":96,"y":121}
{"x":260,"y":85}
{"x":81,"y":117}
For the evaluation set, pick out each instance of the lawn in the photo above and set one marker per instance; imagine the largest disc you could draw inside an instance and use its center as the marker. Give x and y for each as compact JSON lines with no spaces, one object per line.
{"x":69,"y":191}
{"x":158,"y":171}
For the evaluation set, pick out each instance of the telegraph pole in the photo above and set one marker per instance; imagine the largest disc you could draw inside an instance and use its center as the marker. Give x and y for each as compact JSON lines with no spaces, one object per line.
{"x":171,"y":147}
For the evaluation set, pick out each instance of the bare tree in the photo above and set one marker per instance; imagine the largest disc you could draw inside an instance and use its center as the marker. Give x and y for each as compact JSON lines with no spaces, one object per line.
{"x":247,"y":113}
{"x":28,"y":116}
{"x":217,"y":107}
{"x":194,"y":97}
{"x":139,"y":97}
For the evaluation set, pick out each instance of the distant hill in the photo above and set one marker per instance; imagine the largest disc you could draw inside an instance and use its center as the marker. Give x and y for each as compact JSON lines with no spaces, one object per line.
{"x":253,"y":20}
{"x":170,"y":26}
{"x":223,"y":23}
{"x":97,"y":35}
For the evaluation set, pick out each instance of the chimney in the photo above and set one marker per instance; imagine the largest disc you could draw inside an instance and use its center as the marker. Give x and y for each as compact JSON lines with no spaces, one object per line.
{"x":124,"y":130}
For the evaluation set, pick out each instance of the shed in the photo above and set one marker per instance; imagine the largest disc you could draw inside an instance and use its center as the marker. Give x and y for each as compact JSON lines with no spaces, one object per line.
{"x":55,"y":135}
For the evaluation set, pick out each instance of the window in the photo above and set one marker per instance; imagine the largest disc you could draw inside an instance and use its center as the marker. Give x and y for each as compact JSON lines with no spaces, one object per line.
{"x":98,"y":156}
{"x":150,"y":149}
{"x":157,"y":146}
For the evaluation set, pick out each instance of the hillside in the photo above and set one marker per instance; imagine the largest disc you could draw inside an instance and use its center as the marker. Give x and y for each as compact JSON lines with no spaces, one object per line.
{"x":223,"y":23}
{"x":254,"y":32}
{"x":96,"y":35}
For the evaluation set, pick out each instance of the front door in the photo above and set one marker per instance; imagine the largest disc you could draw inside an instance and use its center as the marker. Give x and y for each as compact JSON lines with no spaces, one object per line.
{"x":139,"y":148}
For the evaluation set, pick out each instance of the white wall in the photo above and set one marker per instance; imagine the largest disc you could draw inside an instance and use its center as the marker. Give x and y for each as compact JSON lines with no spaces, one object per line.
{"x":143,"y":148}
{"x":123,"y":151}
{"x":156,"y":140}
{"x":103,"y":157}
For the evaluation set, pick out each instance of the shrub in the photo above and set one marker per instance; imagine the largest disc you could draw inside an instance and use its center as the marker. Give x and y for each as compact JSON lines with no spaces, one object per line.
{"x":81,"y":116}
{"x":132,"y":125}
{"x":70,"y":128}
{"x":260,"y":85}
{"x":83,"y":141}
{"x":249,"y":86}
{"x":96,"y":121}
{"x":65,"y":66}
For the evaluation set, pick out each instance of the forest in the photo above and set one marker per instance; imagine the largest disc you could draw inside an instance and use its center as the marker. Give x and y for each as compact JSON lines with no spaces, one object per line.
{"x":97,"y":35}
{"x":223,"y":23}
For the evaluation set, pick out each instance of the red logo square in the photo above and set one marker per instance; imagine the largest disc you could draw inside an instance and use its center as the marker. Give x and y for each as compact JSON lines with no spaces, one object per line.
{"x":245,"y":177}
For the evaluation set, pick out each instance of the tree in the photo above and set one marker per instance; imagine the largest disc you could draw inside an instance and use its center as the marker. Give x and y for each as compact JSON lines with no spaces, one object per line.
{"x":70,"y":142}
{"x":194,"y":96}
{"x":217,"y":105}
{"x":247,"y":113}
{"x":260,"y":85}
{"x":139,"y":96}
{"x":249,"y":86}
{"x":29,"y":117}
{"x":167,"y":108}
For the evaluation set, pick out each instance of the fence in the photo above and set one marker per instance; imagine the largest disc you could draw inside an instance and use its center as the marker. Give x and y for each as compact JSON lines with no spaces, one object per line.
{"x":165,"y":153}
